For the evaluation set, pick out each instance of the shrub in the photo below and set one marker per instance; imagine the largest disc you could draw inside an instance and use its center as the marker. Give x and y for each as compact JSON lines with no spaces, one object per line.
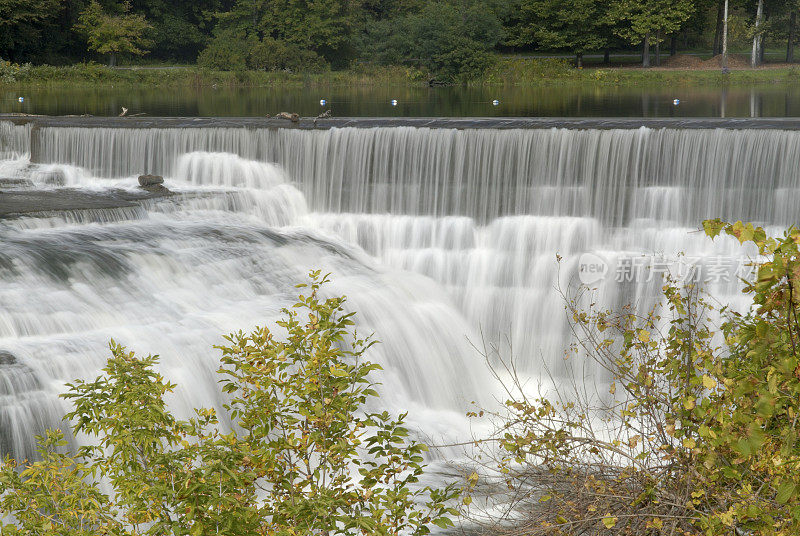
{"x":451,"y":42}
{"x":698,"y":433}
{"x":513,"y":71}
{"x":229,"y":53}
{"x":273,"y":55}
{"x":305,"y":457}
{"x":12,"y":72}
{"x":224,"y":53}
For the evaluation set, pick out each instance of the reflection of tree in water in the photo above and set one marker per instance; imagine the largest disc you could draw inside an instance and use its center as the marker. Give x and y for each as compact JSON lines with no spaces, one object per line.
{"x":459,"y":101}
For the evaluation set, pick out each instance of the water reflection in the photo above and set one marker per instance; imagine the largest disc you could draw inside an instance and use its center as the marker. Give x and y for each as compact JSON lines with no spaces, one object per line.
{"x":755,"y":101}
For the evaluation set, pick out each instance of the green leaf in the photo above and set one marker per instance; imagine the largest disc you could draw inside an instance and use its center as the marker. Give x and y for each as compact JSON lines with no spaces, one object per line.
{"x":785,"y":491}
{"x":713,"y":227}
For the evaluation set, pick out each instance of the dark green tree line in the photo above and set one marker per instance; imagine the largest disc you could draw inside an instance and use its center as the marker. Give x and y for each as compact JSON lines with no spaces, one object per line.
{"x":443,"y":39}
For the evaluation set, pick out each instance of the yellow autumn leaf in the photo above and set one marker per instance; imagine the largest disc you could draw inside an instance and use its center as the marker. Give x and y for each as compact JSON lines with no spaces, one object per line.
{"x":726,"y":518}
{"x":644,"y":335}
{"x":709,"y":382}
{"x":609,"y":521}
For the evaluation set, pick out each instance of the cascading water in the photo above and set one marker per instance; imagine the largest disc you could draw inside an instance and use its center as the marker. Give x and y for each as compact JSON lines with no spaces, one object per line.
{"x":438,"y":236}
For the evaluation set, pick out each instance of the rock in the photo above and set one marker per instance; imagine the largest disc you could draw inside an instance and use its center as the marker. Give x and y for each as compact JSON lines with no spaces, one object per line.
{"x":7,"y":358}
{"x":146,"y":181}
{"x":294,"y":118}
{"x":17,"y":202}
{"x":8,"y":182}
{"x":158,"y":189}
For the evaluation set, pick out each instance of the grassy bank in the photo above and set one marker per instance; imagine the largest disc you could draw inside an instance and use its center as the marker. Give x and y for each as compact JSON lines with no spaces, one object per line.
{"x":521,"y":72}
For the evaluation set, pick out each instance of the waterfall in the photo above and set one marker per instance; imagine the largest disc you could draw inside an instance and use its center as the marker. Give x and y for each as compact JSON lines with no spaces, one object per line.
{"x":440,"y":238}
{"x":15,"y":140}
{"x":613,"y":175}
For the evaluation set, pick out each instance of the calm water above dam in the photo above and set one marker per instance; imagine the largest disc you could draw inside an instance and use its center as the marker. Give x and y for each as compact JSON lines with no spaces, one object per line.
{"x":756,"y":101}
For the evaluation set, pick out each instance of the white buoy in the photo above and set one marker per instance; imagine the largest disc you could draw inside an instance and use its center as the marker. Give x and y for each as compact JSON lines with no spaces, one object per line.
{"x":394,"y":102}
{"x":323,"y":102}
{"x":22,"y":99}
{"x":495,"y":102}
{"x":676,"y":102}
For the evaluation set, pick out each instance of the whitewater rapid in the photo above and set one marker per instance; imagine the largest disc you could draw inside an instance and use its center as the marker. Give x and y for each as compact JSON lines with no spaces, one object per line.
{"x":441,"y":239}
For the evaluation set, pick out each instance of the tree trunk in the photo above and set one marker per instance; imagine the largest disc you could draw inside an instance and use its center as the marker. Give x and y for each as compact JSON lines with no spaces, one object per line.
{"x":755,"y":56}
{"x":725,"y":45}
{"x":790,"y":40}
{"x":717,"y":48}
{"x":673,"y":45}
{"x":112,"y":59}
{"x":579,"y":60}
{"x":658,"y":48}
{"x":607,"y":56}
{"x":646,"y":51}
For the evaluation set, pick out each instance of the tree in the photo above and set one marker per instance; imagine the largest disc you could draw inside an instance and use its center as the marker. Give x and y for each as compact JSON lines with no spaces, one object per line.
{"x":55,"y":495}
{"x":304,"y":457}
{"x":647,"y":21}
{"x":697,"y":433}
{"x":180,"y":28}
{"x":22,"y":23}
{"x":758,"y":37}
{"x":780,"y":24}
{"x":449,"y":40}
{"x":113,"y":34}
{"x":576,"y":26}
{"x":323,"y":26}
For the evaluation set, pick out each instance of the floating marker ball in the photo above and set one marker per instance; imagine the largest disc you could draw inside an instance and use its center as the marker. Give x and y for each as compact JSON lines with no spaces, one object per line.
{"x":323,"y":102}
{"x":394,"y":102}
{"x":22,"y":99}
{"x":676,"y":102}
{"x":495,"y":102}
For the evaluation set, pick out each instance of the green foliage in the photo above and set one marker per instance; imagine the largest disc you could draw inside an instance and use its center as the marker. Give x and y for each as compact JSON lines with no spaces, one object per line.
{"x":113,"y":34}
{"x":300,"y":404}
{"x":180,"y":29}
{"x":322,"y":26}
{"x":11,"y":72}
{"x":341,"y":31}
{"x":517,"y":71}
{"x":635,"y":20}
{"x":227,"y":52}
{"x":699,"y":429}
{"x":273,"y":55}
{"x":52,"y":496}
{"x":305,"y":456}
{"x":22,"y":23}
{"x":451,"y":42}
{"x":224,"y":53}
{"x":576,"y":26}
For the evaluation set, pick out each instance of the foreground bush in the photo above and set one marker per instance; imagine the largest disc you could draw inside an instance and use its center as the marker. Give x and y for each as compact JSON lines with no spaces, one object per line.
{"x":305,"y":456}
{"x":698,"y":433}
